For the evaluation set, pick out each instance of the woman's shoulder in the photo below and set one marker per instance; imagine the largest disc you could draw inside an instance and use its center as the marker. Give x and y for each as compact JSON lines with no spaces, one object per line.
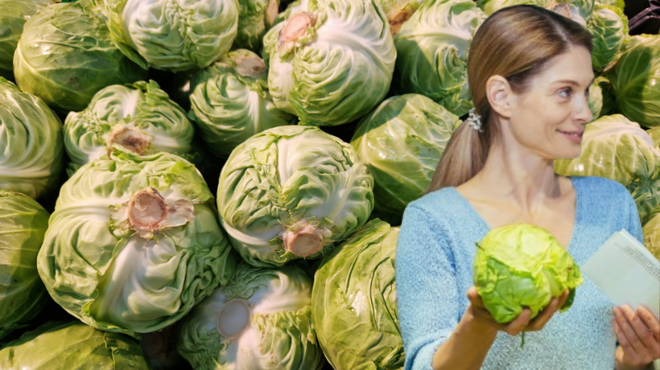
{"x":438,"y":203}
{"x":599,"y":187}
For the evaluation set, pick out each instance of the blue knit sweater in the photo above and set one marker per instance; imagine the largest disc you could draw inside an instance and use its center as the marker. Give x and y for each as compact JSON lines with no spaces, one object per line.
{"x":434,"y":256}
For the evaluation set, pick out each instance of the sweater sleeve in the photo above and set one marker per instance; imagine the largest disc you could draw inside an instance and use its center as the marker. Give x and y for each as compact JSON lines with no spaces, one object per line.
{"x":634,"y":225}
{"x":427,"y":293}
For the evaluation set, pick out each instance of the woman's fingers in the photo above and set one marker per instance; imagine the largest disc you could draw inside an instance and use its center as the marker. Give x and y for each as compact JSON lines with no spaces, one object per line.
{"x":539,"y":321}
{"x":516,"y":326}
{"x":636,"y":339}
{"x":652,"y":322}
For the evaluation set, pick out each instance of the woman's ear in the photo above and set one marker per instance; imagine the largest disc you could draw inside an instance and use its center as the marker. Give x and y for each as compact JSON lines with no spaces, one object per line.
{"x":499,"y":93}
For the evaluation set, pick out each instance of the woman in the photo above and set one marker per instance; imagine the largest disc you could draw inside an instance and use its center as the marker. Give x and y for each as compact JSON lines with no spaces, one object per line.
{"x":529,"y":72}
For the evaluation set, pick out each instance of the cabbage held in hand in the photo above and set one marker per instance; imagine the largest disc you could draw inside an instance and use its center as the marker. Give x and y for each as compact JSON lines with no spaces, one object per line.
{"x":134,"y":243}
{"x":291,"y":192}
{"x":31,"y":148}
{"x":66,"y":55}
{"x":23,"y":223}
{"x":522,"y":266}
{"x":139,"y":117}
{"x":261,"y":320}
{"x":72,"y":346}
{"x":331,"y":61}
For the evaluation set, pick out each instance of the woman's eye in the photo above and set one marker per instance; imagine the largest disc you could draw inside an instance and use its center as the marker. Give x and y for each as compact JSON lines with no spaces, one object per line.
{"x":565,"y":92}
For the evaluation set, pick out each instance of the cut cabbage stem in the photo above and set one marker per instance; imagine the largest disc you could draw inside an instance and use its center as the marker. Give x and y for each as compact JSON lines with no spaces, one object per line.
{"x":234,"y":318}
{"x":250,"y":66}
{"x":129,"y":137}
{"x":303,"y":239}
{"x":398,"y":19}
{"x":271,"y":12}
{"x":296,"y":27}
{"x":147,"y":210}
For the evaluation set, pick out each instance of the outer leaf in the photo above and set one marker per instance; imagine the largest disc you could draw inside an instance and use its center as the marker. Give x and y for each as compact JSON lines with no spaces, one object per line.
{"x":72,"y":346}
{"x":278,"y":336}
{"x":74,"y":58}
{"x":340,"y":69}
{"x":617,"y":148}
{"x":577,"y":10}
{"x":432,"y":48}
{"x":634,"y":80}
{"x":30,"y":143}
{"x":255,"y":17}
{"x":401,"y":142}
{"x":13,"y":15}
{"x":283,"y":176}
{"x":230,"y":102}
{"x":354,"y":302}
{"x":141,"y":105}
{"x":122,"y":282}
{"x":655,"y":135}
{"x":174,"y":35}
{"x":23,"y":223}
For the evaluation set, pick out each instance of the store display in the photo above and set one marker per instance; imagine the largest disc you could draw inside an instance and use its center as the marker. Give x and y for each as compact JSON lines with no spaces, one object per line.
{"x":215,"y":209}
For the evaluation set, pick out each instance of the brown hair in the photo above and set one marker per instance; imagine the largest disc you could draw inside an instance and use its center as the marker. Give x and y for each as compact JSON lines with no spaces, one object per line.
{"x":516,"y":43}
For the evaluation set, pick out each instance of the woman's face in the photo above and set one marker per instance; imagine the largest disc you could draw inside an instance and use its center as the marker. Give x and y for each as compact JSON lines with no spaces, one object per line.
{"x":549,"y":118}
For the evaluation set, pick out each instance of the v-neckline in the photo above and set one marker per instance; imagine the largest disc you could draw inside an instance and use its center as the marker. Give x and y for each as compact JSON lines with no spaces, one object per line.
{"x":486,"y":228}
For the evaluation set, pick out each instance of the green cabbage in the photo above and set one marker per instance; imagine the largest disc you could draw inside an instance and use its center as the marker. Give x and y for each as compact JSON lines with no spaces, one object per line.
{"x":634,"y":80}
{"x":578,"y":10}
{"x":173,"y":35}
{"x":13,"y":15}
{"x":65,"y":56}
{"x":134,"y":243}
{"x":72,"y":346}
{"x":140,"y":117}
{"x":595,"y":100}
{"x":609,"y":27}
{"x":401,"y":142}
{"x":255,"y":17}
{"x":23,"y":223}
{"x":618,"y":149}
{"x":354,"y":302}
{"x":522,"y":266}
{"x":399,"y":11}
{"x":291,"y":192}
{"x":655,"y":135}
{"x":230,"y":102}
{"x":31,"y":147}
{"x":432,"y":50}
{"x":331,"y":61}
{"x":260,"y":320}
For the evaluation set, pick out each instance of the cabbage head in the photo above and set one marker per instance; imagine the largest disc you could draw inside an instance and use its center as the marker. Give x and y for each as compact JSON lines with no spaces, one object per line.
{"x":140,"y":117}
{"x":255,"y":18}
{"x":72,"y":346}
{"x":230,"y":102}
{"x":655,"y":135}
{"x":432,"y":50}
{"x":331,"y":61}
{"x":260,"y":320}
{"x":23,"y":223}
{"x":31,"y":147}
{"x":609,"y":27}
{"x":522,"y":266}
{"x":291,"y":192}
{"x":134,"y":243}
{"x":13,"y":15}
{"x":595,"y":100}
{"x":401,"y":142}
{"x":354,"y":302}
{"x":617,"y":148}
{"x":651,"y":231}
{"x":66,"y":55}
{"x":173,"y":35}
{"x":634,"y":80}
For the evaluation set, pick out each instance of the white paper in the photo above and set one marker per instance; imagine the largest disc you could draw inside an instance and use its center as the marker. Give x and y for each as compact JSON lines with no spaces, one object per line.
{"x":626,"y":272}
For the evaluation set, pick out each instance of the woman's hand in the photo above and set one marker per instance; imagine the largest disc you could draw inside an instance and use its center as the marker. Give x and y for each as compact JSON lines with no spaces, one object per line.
{"x":520,"y":323}
{"x":638,"y":334}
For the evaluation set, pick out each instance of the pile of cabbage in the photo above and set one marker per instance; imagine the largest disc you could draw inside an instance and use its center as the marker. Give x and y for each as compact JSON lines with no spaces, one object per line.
{"x":218,"y":184}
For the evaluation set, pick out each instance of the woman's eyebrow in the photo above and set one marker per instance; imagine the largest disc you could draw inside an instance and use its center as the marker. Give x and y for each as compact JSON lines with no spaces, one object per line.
{"x":573,"y":82}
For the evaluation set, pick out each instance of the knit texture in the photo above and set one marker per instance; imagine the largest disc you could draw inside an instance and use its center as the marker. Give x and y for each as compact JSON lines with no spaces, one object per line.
{"x":435,"y":252}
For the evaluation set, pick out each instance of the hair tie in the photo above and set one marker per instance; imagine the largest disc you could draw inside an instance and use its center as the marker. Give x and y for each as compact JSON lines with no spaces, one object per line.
{"x":474,"y":120}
